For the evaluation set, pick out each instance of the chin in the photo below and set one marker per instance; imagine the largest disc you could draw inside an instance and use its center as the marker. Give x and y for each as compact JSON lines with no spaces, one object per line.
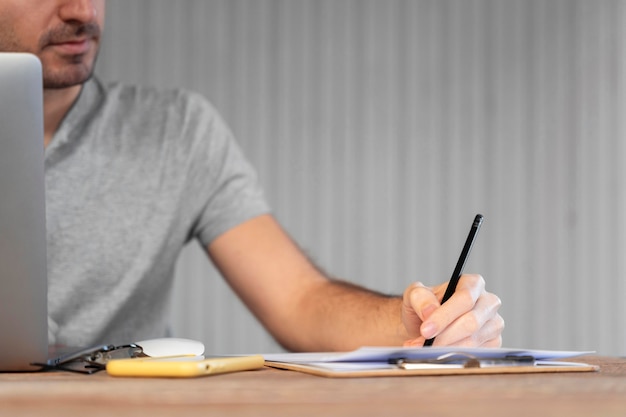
{"x":64,"y":72}
{"x":67,"y":78}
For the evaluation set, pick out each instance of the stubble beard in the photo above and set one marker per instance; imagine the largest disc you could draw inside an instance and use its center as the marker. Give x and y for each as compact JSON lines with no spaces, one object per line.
{"x":78,"y":70}
{"x":73,"y":69}
{"x":59,"y":71}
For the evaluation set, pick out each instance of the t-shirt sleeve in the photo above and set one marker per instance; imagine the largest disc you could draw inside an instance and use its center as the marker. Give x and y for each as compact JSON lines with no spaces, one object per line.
{"x":228,"y":189}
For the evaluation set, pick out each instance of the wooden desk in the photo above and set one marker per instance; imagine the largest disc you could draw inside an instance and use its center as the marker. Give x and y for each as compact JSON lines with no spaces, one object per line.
{"x":279,"y":393}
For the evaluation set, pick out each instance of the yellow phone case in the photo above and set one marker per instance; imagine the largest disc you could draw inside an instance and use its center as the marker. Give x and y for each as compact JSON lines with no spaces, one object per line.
{"x":182,"y":367}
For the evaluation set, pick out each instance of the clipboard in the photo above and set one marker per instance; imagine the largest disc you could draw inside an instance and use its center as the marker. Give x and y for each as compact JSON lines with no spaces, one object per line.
{"x":385,"y":362}
{"x":433,"y":371}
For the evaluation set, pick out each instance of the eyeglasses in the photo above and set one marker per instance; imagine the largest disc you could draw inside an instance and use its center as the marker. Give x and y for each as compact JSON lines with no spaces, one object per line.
{"x":91,"y":360}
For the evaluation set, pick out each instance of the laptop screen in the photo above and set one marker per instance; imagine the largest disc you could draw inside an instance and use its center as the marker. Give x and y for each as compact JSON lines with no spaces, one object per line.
{"x":23,"y":281}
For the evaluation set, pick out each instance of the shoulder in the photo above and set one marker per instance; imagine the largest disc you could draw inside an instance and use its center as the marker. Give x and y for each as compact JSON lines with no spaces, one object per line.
{"x":150,"y":101}
{"x":151,"y":114}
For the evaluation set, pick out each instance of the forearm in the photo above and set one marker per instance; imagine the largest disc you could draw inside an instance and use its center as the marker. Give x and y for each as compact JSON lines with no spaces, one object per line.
{"x":337,"y":316}
{"x":307,"y":311}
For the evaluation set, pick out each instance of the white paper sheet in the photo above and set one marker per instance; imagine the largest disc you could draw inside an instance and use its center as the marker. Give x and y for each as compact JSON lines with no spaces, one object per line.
{"x":384,"y":354}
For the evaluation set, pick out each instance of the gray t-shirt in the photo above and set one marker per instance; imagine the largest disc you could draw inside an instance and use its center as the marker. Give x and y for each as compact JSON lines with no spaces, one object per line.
{"x":132,"y":175}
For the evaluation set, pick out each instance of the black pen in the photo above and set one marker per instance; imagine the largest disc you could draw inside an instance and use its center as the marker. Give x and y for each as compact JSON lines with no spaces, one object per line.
{"x":458,"y":270}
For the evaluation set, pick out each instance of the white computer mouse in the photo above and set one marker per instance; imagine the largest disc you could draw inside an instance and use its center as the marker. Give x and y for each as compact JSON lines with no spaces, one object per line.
{"x":171,"y":346}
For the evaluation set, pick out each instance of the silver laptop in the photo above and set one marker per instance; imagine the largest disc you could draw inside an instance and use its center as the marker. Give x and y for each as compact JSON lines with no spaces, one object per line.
{"x":23,"y":280}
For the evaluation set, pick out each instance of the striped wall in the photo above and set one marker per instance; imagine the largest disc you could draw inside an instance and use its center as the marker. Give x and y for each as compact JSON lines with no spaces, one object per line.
{"x":380,"y":127}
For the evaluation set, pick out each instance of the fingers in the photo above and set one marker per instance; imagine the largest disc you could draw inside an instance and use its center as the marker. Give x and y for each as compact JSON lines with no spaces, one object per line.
{"x":482,"y":339}
{"x":469,"y":318}
{"x":486,"y":338}
{"x":468,"y":291}
{"x":482,"y":326}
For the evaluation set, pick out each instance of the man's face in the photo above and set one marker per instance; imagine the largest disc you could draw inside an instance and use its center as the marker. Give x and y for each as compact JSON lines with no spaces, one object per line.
{"x":64,"y":34}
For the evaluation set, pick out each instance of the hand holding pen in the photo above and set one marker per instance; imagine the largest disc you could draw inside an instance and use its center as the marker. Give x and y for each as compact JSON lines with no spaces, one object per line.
{"x":466,"y":315}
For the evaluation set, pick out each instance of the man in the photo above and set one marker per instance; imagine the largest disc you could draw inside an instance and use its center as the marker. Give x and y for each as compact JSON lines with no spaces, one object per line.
{"x":133,"y":174}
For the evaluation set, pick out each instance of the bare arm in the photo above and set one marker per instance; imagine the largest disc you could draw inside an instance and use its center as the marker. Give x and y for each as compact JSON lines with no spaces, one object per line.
{"x":307,"y":311}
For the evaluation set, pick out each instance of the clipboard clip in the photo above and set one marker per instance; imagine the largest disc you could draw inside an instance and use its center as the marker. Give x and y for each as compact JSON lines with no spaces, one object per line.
{"x":465,"y":360}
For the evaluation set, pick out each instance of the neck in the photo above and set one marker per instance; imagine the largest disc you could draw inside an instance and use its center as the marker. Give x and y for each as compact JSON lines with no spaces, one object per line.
{"x":56,"y":104}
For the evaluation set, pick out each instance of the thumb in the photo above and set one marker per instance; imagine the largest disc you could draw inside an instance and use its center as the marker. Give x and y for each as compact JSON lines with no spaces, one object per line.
{"x":419,"y":302}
